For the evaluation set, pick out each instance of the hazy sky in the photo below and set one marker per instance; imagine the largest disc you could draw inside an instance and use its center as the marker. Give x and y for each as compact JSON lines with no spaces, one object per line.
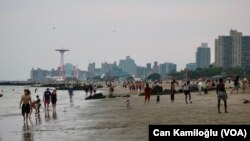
{"x":109,"y":30}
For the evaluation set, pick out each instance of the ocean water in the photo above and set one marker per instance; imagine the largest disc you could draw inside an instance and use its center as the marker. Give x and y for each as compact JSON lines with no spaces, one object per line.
{"x":49,"y":125}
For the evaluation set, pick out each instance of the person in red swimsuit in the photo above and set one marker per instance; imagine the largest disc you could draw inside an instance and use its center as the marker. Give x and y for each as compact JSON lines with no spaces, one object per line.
{"x":147,"y":92}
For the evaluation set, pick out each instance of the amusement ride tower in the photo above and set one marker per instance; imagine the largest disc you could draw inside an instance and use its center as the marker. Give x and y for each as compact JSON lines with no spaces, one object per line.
{"x":61,"y":72}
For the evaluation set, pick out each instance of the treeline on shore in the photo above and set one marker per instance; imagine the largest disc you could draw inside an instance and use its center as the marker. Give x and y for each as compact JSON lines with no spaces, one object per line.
{"x":209,"y":72}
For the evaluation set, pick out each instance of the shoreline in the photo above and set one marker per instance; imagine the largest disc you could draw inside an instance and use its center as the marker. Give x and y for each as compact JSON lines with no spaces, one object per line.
{"x":108,"y":119}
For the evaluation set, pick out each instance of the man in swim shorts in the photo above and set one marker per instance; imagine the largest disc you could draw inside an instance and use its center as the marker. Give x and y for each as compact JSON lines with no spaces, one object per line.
{"x":221,"y":95}
{"x":46,"y":98}
{"x":26,"y":104}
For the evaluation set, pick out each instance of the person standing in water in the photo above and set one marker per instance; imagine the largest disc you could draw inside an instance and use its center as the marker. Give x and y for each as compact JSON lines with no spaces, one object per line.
{"x":36,"y":90}
{"x":71,"y":92}
{"x":54,"y":100}
{"x":25,"y":105}
{"x":91,"y":89}
{"x":46,"y":98}
{"x":221,"y":95}
{"x":38,"y":101}
{"x":95,"y":89}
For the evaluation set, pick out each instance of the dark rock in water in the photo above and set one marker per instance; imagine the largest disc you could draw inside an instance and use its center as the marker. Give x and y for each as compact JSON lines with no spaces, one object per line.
{"x":96,"y":96}
{"x":1,"y":95}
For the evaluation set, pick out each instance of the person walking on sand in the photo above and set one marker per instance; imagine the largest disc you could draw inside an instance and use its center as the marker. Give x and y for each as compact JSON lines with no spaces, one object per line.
{"x":25,"y":105}
{"x":128,"y":103}
{"x":54,"y":100}
{"x":172,"y":91}
{"x":244,"y":84}
{"x":200,"y":86}
{"x":221,"y":95}
{"x":158,"y":98}
{"x":206,"y":87}
{"x":186,"y":89}
{"x":111,"y":89}
{"x":46,"y":98}
{"x":236,"y":85}
{"x":147,"y":92}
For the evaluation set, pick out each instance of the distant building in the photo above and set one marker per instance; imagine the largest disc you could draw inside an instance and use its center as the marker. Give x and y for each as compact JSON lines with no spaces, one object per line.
{"x":203,"y":56}
{"x":128,"y":65}
{"x":191,"y":66}
{"x":108,"y":68}
{"x":82,"y":75}
{"x":91,"y":70}
{"x":68,"y":69}
{"x":148,"y":69}
{"x":141,"y":72}
{"x":167,"y":68}
{"x":156,"y":67}
{"x":70,"y":72}
{"x":55,"y":73}
{"x":232,"y":50}
{"x":39,"y":74}
{"x":98,"y":72}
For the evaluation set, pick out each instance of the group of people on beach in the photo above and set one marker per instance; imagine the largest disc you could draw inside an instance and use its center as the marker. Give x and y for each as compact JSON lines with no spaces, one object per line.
{"x":27,"y":104}
{"x":186,"y":89}
{"x":134,"y":86}
{"x":91,"y":89}
{"x":219,"y":85}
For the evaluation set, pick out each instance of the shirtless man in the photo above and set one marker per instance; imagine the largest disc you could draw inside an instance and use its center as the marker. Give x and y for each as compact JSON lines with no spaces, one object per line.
{"x":26,"y":105}
{"x":147,"y":92}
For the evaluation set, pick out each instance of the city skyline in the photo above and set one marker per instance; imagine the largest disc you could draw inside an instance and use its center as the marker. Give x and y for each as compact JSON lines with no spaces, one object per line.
{"x":94,"y":31}
{"x":125,"y":68}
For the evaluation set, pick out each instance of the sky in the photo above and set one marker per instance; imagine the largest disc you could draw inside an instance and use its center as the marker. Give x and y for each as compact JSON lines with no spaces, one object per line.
{"x":110,"y":30}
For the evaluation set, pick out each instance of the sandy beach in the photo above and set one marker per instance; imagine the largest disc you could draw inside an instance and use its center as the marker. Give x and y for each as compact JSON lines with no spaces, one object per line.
{"x":108,"y":119}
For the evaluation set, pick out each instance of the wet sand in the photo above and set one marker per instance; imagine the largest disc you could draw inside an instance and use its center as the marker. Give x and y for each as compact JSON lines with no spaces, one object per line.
{"x":108,"y":119}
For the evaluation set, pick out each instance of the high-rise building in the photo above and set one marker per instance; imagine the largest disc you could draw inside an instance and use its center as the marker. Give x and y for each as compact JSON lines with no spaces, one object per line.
{"x":232,"y":50}
{"x":155,"y":67}
{"x":128,"y":65}
{"x":191,"y":66}
{"x":91,"y":70}
{"x":141,"y":72}
{"x":39,"y":74}
{"x":167,"y":68}
{"x":203,"y":56}
{"x":148,"y":69}
{"x":68,"y":69}
{"x":108,"y":68}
